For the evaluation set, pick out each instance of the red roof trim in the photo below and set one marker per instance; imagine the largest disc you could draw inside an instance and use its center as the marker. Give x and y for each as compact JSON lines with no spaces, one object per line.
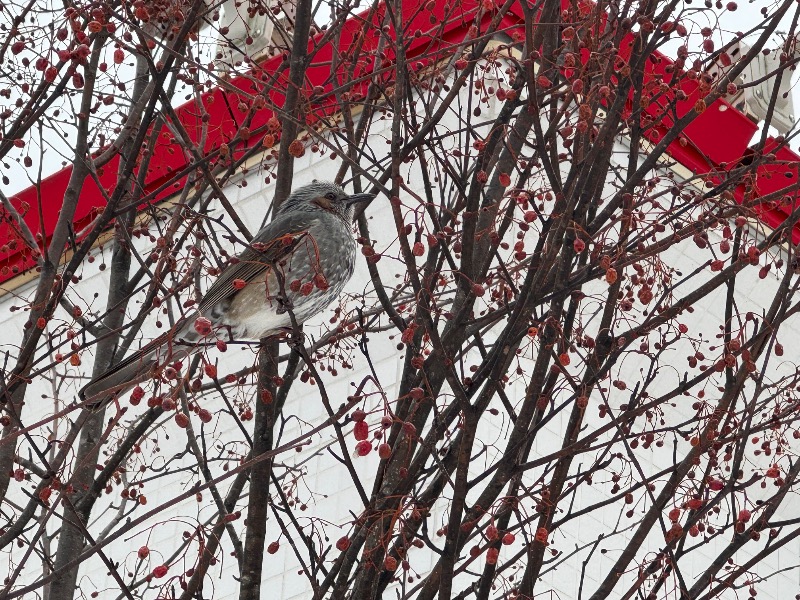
{"x":701,"y":148}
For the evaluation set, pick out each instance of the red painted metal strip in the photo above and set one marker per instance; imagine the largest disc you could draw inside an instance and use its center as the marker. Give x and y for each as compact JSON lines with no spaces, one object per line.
{"x":441,"y":27}
{"x":433,"y":29}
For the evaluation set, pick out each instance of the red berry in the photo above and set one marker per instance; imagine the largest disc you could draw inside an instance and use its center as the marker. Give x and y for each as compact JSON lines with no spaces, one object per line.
{"x":160,"y":571}
{"x":202,"y":326}
{"x":384,"y":451}
{"x":361,"y":430}
{"x":273,"y":547}
{"x":343,"y":543}
{"x":143,"y":552}
{"x":541,"y":535}
{"x":508,"y":539}
{"x":297,"y":149}
{"x":182,"y":420}
{"x":363,"y":448}
{"x":321,"y":282}
{"x":744,"y":515}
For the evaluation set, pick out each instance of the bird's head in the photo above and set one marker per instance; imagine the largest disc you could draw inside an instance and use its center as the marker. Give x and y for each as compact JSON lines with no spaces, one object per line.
{"x":327,"y":197}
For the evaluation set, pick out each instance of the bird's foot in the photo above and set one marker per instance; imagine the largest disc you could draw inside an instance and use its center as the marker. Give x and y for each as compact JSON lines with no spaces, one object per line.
{"x":294,"y":338}
{"x":284,"y":304}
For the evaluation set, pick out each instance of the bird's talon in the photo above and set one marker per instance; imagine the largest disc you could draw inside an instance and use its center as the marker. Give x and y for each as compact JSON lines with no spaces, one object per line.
{"x":284,"y":304}
{"x":294,"y":339}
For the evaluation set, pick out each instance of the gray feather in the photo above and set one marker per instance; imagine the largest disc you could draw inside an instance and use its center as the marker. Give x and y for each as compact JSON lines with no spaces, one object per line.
{"x":309,"y":237}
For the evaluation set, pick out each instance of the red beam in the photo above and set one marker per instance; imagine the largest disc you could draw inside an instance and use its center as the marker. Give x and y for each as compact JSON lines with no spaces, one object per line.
{"x":716,"y":138}
{"x":441,"y":27}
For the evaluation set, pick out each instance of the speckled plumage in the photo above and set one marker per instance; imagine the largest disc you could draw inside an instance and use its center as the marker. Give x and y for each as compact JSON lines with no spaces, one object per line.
{"x":328,"y":249}
{"x":317,"y":218}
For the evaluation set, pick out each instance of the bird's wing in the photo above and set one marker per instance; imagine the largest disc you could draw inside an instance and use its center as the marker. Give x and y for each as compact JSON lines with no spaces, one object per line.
{"x":276,"y":241}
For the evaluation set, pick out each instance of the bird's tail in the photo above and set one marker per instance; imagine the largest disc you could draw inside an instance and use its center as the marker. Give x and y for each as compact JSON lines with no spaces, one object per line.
{"x":138,"y":367}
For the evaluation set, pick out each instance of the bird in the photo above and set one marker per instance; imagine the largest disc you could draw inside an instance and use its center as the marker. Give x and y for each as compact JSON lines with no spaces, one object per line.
{"x":293,"y":269}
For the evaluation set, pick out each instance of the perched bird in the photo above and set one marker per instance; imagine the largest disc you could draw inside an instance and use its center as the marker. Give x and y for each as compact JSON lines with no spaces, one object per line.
{"x":297,"y":265}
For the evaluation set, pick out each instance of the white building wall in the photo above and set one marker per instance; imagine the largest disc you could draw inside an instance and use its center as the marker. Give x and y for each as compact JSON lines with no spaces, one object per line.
{"x":326,"y":488}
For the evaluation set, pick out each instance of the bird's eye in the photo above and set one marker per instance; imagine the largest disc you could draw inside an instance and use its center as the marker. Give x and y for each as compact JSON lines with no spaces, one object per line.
{"x":330,"y":196}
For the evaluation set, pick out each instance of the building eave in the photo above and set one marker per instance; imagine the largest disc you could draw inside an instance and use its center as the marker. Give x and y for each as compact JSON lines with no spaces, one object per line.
{"x":443,"y":30}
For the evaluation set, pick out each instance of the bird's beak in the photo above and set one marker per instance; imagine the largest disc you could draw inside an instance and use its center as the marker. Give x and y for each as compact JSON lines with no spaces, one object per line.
{"x":360,"y":202}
